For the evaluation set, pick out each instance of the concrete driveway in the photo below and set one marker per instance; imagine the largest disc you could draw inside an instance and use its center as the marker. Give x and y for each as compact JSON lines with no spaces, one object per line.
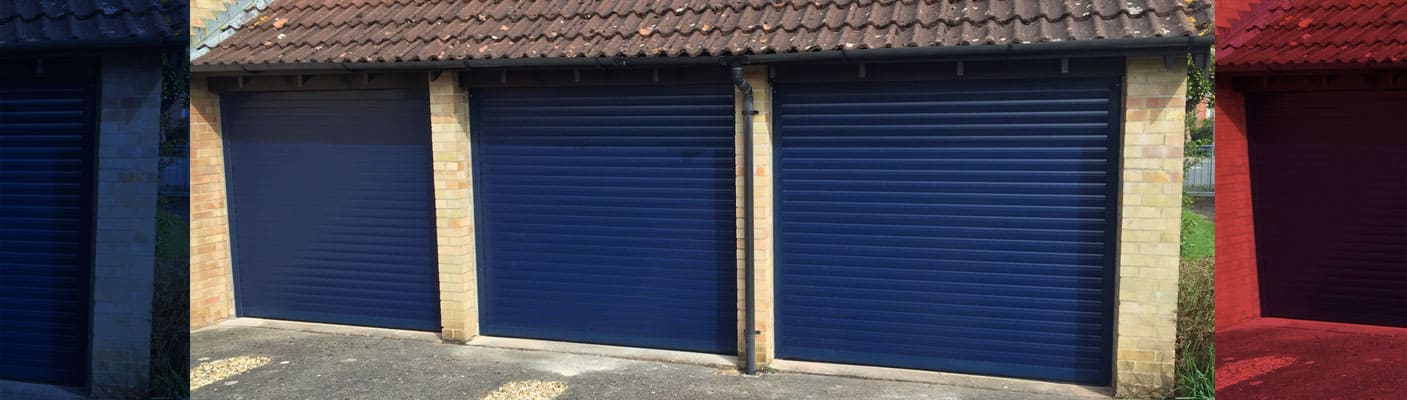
{"x":254,"y":362}
{"x":1282,"y":359}
{"x":33,"y":391}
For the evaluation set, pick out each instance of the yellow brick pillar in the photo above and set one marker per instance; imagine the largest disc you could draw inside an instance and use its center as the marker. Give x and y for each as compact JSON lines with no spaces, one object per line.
{"x":1151,"y":210}
{"x":756,"y":76}
{"x":128,"y":154}
{"x":211,"y":275}
{"x":200,"y":10}
{"x":454,"y":210}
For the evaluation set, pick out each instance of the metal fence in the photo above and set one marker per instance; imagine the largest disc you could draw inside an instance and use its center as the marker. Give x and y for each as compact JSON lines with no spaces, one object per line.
{"x":1201,"y":176}
{"x":176,"y":171}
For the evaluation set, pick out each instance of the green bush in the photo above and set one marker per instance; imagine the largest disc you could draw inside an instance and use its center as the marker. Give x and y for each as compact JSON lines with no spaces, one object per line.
{"x":1196,"y":321}
{"x":170,"y":322}
{"x":1196,"y":312}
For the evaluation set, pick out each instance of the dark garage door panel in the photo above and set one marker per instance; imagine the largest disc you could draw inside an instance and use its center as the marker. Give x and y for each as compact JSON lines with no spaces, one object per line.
{"x":331,"y":206}
{"x":46,"y":143}
{"x":957,"y":226}
{"x":606,"y":215}
{"x":1330,"y":197}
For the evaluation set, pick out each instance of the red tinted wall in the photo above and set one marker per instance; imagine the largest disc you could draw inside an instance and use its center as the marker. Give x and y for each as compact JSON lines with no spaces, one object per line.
{"x":1227,"y":11}
{"x":1237,"y":289}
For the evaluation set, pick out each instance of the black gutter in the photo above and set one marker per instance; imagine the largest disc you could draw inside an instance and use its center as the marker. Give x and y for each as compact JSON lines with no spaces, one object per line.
{"x":1072,"y":48}
{"x":1310,"y":68}
{"x":92,"y":44}
{"x":1078,"y":48}
{"x":750,"y":324}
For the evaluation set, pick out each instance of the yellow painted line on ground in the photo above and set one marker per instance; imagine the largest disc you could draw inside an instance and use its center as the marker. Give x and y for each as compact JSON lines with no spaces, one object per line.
{"x":1244,"y":370}
{"x":218,"y":370}
{"x":528,"y":390}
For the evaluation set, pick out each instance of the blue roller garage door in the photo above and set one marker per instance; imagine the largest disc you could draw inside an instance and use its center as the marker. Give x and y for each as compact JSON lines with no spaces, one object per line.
{"x":332,"y":216}
{"x":46,"y":208}
{"x":606,"y":215}
{"x":1330,"y":209}
{"x":958,"y":226}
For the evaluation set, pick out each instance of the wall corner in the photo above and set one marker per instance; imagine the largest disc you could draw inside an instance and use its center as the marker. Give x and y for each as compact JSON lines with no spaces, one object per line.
{"x":1150,"y":209}
{"x":1237,"y":279}
{"x":128,"y":147}
{"x":211,"y":266}
{"x":762,"y":197}
{"x":454,"y":208}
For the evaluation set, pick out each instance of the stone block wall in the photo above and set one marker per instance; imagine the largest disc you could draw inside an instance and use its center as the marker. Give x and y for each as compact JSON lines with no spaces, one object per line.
{"x":212,"y":280}
{"x":1150,"y":227}
{"x":757,"y":77}
{"x":454,"y":208}
{"x":1237,"y":282}
{"x":203,"y":9}
{"x":129,"y":141}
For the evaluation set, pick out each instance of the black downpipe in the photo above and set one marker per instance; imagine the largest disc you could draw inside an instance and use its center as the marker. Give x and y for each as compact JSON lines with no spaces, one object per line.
{"x":750,"y":311}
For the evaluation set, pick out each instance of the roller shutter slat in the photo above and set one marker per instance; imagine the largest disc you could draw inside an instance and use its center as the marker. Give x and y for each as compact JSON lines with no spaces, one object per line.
{"x":606,"y":215}
{"x":1329,"y":192}
{"x":46,"y":205}
{"x":952,"y":226}
{"x":332,"y":213}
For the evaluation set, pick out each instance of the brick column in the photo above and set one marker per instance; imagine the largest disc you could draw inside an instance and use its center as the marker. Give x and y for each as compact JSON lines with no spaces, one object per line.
{"x":1150,"y":230}
{"x":129,"y":138}
{"x":201,"y":10}
{"x":212,"y":280}
{"x":454,"y":208}
{"x":1237,"y":284}
{"x":756,"y":76}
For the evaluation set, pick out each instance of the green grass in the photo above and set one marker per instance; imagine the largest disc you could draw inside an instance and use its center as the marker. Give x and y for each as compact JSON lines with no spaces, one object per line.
{"x":1196,"y":321}
{"x":1198,"y":236}
{"x":1196,"y":311}
{"x":170,"y":322}
{"x":1196,"y":375}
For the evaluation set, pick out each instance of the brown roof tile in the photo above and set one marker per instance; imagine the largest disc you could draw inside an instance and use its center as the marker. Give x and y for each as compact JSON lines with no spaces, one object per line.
{"x":38,"y":23}
{"x":311,"y":31}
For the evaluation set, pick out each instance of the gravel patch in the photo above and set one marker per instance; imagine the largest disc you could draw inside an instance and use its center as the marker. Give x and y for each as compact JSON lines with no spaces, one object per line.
{"x":214,"y":371}
{"x":528,"y":390}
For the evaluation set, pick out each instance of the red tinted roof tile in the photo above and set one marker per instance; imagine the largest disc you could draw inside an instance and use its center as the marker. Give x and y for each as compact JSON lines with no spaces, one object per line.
{"x":314,"y":31}
{"x":1305,"y":33}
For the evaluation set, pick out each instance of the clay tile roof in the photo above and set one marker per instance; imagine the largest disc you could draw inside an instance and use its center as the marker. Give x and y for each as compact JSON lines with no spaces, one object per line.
{"x":321,"y":31}
{"x":1308,"y":33}
{"x":56,"y":23}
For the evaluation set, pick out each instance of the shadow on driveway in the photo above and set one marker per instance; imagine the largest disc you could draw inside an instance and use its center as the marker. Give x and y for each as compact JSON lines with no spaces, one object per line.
{"x":303,"y":365}
{"x":1281,"y":359}
{"x":34,"y":391}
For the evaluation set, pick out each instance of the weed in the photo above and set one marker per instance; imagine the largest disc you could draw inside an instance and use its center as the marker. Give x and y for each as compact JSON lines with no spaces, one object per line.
{"x":170,"y":322}
{"x":1196,"y":303}
{"x":1196,"y":374}
{"x":1196,"y":330}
